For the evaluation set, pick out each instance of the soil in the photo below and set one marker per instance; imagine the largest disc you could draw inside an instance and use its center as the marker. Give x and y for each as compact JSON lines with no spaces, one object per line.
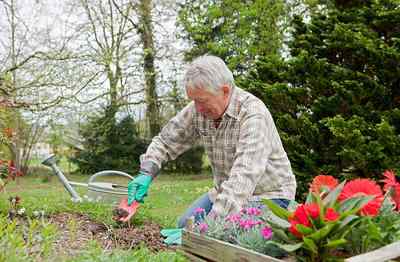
{"x":76,"y":230}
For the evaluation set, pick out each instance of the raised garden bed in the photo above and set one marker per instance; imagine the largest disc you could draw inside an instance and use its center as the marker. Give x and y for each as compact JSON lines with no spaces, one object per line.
{"x":198,"y":248}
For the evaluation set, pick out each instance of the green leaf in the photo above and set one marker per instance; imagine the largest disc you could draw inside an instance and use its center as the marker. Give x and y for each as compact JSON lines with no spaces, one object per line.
{"x":309,"y":198}
{"x":354,"y":204}
{"x":288,"y":247}
{"x":281,"y":234}
{"x":321,"y":233}
{"x":348,"y":220}
{"x":310,"y":245}
{"x":335,"y":243}
{"x":387,"y":203}
{"x":331,"y":198}
{"x":276,"y":209}
{"x":303,"y":229}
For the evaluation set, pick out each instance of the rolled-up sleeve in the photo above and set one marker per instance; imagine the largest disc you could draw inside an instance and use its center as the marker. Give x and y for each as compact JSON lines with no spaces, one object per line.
{"x":252,"y":151}
{"x":177,"y":136}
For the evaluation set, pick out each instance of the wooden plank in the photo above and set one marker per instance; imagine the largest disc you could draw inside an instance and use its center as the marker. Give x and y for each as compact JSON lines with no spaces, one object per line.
{"x":217,"y":250}
{"x":201,"y":248}
{"x":194,"y":258}
{"x":379,"y":255}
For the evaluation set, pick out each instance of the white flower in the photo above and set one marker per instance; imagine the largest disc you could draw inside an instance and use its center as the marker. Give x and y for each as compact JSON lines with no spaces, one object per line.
{"x":21,"y":211}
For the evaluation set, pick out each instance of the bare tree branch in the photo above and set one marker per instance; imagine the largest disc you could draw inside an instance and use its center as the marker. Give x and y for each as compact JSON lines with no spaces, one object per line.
{"x":125,"y":15}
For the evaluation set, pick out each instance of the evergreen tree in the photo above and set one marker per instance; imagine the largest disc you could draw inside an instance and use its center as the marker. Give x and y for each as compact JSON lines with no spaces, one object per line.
{"x":235,"y":30}
{"x":336,"y":101}
{"x":109,"y":144}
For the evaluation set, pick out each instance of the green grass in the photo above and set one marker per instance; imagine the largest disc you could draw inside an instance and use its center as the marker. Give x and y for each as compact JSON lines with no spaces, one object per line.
{"x":168,"y":197}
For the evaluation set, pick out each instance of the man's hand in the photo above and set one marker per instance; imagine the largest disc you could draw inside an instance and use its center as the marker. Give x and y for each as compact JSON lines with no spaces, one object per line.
{"x":138,"y":187}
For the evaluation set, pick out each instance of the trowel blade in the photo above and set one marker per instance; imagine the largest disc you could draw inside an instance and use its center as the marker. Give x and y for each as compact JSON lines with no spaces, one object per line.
{"x":131,"y":209}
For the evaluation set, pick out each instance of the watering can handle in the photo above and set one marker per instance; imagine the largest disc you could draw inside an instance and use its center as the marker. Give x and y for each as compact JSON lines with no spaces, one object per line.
{"x":108,"y":172}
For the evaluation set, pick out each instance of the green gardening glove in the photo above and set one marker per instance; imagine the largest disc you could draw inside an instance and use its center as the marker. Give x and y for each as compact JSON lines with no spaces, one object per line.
{"x":138,"y":187}
{"x":173,"y":236}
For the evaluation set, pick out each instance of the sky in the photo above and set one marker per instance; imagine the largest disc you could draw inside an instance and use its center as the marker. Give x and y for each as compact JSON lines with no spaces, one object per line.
{"x":39,"y":18}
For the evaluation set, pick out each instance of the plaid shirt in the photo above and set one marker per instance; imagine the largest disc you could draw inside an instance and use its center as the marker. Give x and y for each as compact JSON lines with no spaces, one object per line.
{"x":245,"y":151}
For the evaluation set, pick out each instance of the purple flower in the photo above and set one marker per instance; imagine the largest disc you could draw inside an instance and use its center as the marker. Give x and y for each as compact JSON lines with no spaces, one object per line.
{"x":203,"y":227}
{"x":266,"y":232}
{"x":199,"y":210}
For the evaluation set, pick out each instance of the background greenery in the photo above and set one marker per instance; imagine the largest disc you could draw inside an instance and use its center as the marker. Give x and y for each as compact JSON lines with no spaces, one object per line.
{"x":335,"y":98}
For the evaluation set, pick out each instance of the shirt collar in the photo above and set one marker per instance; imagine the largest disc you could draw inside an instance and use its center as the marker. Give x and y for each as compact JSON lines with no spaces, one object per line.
{"x":232,"y":109}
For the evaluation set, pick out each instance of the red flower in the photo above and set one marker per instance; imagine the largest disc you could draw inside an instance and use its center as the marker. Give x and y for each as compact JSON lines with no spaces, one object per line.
{"x":366,"y":187}
{"x":331,"y":215}
{"x":312,"y":210}
{"x":293,"y":229}
{"x":323,"y":183}
{"x":391,"y":181}
{"x":300,"y":215}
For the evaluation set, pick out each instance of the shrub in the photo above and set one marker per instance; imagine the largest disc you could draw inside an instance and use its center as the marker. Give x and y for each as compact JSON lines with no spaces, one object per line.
{"x":109,"y":144}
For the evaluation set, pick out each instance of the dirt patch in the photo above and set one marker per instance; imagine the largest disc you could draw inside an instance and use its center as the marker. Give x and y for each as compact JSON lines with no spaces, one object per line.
{"x":76,"y":230}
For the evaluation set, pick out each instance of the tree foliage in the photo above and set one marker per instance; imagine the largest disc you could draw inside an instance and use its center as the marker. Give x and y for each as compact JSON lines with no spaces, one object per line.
{"x":237,"y":31}
{"x":336,"y":101}
{"x":109,"y":144}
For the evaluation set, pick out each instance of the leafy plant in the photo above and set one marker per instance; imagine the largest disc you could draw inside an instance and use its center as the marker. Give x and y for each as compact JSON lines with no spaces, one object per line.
{"x":373,"y":232}
{"x":331,"y":211}
{"x":246,"y":229}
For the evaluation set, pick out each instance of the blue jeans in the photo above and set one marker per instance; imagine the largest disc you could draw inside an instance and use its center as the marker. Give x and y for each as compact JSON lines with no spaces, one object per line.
{"x":205,"y":203}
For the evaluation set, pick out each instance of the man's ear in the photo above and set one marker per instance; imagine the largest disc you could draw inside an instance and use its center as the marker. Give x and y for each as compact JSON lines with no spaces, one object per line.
{"x":226,"y":90}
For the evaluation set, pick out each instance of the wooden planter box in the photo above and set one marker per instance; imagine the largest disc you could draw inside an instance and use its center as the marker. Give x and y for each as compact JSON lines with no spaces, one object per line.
{"x":200,"y":248}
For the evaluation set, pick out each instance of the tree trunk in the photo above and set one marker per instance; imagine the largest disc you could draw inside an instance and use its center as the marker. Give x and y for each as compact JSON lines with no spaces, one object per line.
{"x":146,"y":34}
{"x":17,"y":147}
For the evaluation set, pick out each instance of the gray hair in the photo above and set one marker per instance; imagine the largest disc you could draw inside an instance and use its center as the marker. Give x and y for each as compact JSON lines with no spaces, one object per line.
{"x":208,"y":72}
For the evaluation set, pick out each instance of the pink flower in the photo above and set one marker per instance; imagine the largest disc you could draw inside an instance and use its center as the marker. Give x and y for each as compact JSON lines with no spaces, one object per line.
{"x":253,"y":211}
{"x":266,"y":232}
{"x":203,"y":227}
{"x":234,"y":218}
{"x":199,"y":210}
{"x":248,"y":223}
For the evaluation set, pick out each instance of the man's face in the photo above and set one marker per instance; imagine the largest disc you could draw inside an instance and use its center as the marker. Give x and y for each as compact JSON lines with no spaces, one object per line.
{"x":208,"y":104}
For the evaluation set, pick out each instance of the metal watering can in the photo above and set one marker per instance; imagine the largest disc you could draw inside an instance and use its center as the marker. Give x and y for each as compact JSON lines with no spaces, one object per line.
{"x":97,"y":191}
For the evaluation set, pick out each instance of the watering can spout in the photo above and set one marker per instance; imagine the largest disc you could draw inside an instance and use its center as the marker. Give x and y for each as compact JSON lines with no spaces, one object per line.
{"x":51,"y":161}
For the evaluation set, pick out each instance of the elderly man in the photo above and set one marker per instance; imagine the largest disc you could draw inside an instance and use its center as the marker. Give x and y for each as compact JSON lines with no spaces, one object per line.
{"x":240,"y":138}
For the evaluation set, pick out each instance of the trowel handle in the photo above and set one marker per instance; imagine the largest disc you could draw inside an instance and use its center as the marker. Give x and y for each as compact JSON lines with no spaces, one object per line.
{"x":108,"y":173}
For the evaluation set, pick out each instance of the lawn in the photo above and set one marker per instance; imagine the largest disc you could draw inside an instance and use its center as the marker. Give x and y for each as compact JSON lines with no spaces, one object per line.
{"x":34,"y":237}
